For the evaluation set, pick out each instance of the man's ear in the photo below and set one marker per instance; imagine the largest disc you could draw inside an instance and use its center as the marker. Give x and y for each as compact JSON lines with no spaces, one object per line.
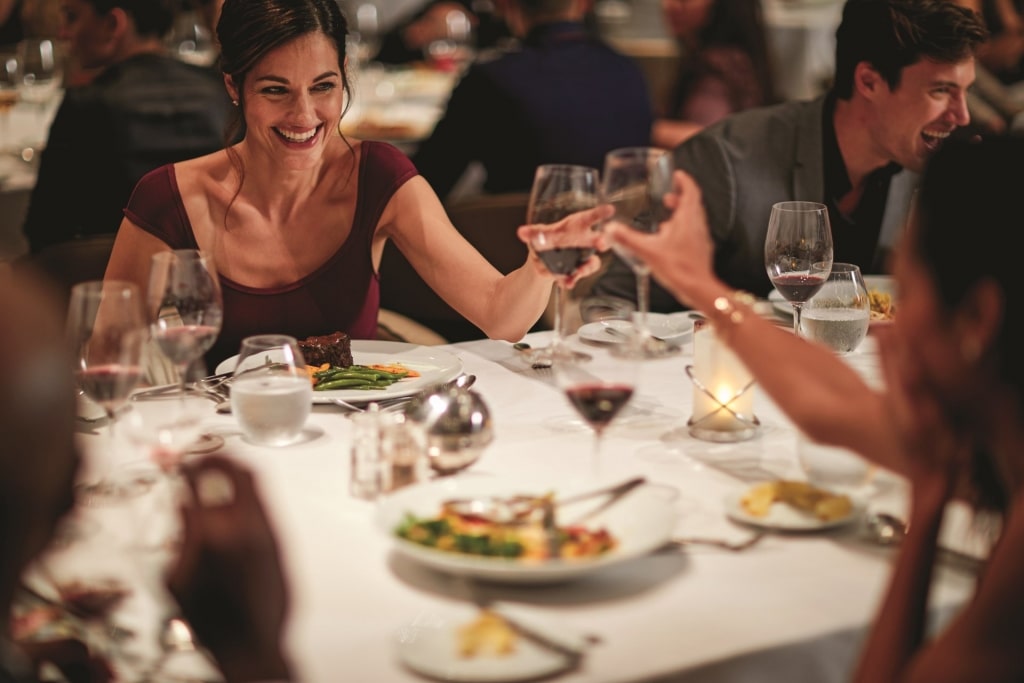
{"x":118,"y":24}
{"x":867,"y":81}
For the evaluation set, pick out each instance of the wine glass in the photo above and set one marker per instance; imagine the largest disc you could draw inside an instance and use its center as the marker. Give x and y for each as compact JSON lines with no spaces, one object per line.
{"x":107,"y":330}
{"x":271,"y":395}
{"x":185,"y":307}
{"x":598,"y":384}
{"x":635,"y":181}
{"x":40,"y":70}
{"x":558,"y":191}
{"x":798,"y":252}
{"x":10,"y":93}
{"x":839,"y":315}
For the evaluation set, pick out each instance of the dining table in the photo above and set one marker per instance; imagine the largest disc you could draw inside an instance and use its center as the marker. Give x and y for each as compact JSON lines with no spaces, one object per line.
{"x":793,"y":607}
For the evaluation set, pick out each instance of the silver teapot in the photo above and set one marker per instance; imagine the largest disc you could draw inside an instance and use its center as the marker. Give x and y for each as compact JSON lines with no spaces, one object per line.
{"x":455,"y":425}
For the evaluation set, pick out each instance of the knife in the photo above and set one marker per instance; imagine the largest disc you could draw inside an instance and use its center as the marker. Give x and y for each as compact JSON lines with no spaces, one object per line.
{"x":573,"y":653}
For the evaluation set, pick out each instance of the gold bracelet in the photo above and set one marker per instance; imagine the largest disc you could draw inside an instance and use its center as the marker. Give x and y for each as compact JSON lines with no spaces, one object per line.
{"x":726,"y":305}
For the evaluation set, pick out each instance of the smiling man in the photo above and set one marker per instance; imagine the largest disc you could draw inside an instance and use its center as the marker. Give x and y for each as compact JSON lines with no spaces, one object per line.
{"x":902,"y":71}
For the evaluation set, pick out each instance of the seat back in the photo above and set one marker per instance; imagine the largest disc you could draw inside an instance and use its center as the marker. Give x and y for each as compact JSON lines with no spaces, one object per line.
{"x":489,"y":223}
{"x":68,"y":263}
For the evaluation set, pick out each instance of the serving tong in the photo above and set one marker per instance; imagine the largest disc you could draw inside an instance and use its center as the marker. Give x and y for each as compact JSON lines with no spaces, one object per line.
{"x":520,"y":509}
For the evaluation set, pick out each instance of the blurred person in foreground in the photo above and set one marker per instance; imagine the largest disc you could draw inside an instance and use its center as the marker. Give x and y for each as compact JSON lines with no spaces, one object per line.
{"x":903,"y":68}
{"x":228,"y":578}
{"x":950,"y":415}
{"x":143,"y":109}
{"x":563,"y":96}
{"x":296,"y":216}
{"x":723,"y":65}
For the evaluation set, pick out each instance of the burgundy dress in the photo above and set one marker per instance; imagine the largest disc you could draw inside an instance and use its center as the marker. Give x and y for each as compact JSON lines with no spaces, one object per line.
{"x":341,"y":295}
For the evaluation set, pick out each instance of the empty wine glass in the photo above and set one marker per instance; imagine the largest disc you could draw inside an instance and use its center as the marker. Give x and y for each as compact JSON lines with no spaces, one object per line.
{"x":558,"y":191}
{"x":106,"y":328}
{"x":365,"y":33}
{"x":635,"y":181}
{"x":271,"y":395}
{"x":599,"y":384}
{"x":40,"y":70}
{"x":798,"y":252}
{"x":10,"y":93}
{"x":839,"y":315}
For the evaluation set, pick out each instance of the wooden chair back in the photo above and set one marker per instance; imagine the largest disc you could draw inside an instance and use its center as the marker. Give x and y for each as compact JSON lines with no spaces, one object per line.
{"x":489,"y":222}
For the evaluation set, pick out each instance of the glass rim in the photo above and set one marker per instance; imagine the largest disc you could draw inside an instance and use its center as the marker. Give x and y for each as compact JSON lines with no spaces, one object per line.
{"x":799,"y":206}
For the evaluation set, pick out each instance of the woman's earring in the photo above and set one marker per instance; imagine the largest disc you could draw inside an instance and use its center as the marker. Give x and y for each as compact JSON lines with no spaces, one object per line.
{"x":234,"y":102}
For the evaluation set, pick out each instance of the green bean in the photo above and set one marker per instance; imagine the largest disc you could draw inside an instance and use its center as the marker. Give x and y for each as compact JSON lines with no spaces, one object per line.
{"x":349,"y":383}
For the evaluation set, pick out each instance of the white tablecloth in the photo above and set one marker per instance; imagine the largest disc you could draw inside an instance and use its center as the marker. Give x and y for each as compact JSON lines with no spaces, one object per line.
{"x":793,"y":608}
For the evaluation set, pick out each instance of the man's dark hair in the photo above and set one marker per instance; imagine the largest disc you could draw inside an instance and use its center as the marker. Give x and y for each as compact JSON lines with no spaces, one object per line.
{"x":151,"y":17}
{"x":893,"y":34}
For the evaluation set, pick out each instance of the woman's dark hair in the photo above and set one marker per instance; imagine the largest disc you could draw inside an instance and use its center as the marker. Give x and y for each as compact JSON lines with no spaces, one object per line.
{"x":740,"y":23}
{"x":968,"y":206}
{"x":735,"y":24}
{"x":249,"y":29}
{"x":151,"y":17}
{"x":893,"y":34}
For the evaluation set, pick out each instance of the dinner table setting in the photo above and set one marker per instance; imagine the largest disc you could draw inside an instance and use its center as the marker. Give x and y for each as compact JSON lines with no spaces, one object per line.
{"x":648,"y":558}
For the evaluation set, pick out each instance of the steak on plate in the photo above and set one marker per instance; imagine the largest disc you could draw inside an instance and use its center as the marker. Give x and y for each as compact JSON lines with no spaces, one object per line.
{"x":333,"y":349}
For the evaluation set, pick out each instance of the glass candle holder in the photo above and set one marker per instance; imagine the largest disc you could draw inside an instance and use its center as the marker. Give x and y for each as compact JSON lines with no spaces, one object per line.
{"x":723,"y":390}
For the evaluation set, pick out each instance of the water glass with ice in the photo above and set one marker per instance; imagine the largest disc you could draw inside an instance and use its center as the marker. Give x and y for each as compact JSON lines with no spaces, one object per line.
{"x":271,"y":394}
{"x":839,"y":315}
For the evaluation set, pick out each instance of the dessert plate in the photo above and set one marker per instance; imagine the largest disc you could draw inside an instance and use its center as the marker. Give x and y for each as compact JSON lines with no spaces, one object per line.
{"x":784,"y":517}
{"x":673,"y":328}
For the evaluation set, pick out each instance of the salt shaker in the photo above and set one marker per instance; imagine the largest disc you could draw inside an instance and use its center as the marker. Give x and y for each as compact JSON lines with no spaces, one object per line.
{"x":369,"y":475}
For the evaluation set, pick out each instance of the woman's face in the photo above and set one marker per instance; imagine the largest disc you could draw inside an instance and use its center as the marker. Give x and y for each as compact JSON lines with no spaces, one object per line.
{"x":686,"y":17}
{"x":293,"y":100}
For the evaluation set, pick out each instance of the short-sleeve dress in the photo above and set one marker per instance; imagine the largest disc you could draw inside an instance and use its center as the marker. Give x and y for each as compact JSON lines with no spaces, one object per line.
{"x":341,"y":295}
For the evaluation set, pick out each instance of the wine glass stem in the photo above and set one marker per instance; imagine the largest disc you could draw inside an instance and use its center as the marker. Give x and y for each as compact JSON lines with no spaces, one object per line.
{"x":596,"y":464}
{"x":797,"y":310}
{"x":643,"y":302}
{"x":556,"y":339}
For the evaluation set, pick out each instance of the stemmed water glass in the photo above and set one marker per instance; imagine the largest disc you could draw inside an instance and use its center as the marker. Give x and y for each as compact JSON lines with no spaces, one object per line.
{"x":798,"y":252}
{"x":107,"y":330}
{"x":558,"y":191}
{"x":635,"y":181}
{"x":599,"y":384}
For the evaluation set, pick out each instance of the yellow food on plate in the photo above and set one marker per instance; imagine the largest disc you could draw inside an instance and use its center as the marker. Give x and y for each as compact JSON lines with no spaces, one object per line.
{"x":824,"y":505}
{"x":488,"y":634}
{"x":396,"y":368}
{"x":882,"y":307}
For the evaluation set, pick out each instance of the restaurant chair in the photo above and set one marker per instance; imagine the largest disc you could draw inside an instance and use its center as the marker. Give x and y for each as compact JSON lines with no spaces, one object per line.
{"x":489,"y":222}
{"x":68,"y":263}
{"x":396,"y":327}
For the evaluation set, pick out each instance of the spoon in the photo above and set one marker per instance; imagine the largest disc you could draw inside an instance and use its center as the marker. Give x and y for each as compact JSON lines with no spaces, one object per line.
{"x":886,"y":529}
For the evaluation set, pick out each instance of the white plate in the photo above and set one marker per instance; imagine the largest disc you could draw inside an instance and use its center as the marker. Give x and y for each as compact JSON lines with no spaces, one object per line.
{"x":674,"y":328}
{"x":429,"y":645}
{"x":783,"y":517}
{"x":642,"y":521}
{"x":883,"y":283}
{"x":434,"y":366}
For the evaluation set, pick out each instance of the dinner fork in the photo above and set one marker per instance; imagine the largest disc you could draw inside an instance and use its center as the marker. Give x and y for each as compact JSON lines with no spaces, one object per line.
{"x":720,"y":543}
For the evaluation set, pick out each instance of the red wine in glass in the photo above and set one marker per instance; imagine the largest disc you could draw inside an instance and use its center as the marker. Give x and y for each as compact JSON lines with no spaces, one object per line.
{"x":565,"y":260}
{"x":798,"y":288}
{"x":798,"y":252}
{"x":109,"y":385}
{"x":599,"y":403}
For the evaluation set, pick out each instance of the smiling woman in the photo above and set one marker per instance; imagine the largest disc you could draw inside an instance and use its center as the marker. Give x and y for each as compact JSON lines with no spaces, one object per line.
{"x":295,"y":215}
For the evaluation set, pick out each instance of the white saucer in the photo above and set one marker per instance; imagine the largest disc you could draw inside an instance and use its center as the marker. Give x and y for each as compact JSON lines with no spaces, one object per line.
{"x":673,"y":328}
{"x":429,"y":645}
{"x":783,"y":517}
